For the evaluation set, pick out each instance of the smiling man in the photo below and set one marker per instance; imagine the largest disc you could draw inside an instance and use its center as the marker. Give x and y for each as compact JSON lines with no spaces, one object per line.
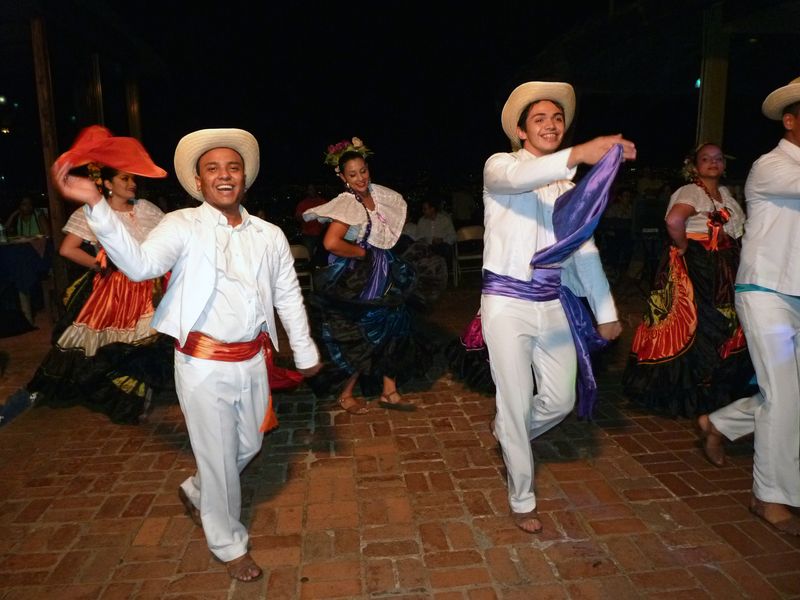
{"x":522,"y":325}
{"x":229,"y":272}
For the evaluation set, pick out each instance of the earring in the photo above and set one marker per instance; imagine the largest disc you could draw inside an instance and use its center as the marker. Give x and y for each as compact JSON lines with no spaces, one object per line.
{"x":110,"y":193}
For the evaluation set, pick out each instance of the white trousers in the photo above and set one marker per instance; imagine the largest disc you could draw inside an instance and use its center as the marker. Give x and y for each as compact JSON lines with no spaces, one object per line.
{"x":771,"y":324}
{"x":223,"y":404}
{"x":518,"y":334}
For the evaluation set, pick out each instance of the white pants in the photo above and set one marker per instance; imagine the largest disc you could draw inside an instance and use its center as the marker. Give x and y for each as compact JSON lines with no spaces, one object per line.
{"x":518,"y":334}
{"x":223,"y":404}
{"x":771,"y":323}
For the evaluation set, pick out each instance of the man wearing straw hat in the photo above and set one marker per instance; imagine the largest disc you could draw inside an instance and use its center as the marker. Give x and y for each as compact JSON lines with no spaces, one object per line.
{"x":520,"y":329}
{"x":229,"y":271}
{"x":768,"y":305}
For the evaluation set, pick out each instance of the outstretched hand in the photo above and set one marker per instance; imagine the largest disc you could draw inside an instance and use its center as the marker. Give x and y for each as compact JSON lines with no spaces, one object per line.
{"x":592,"y":151}
{"x":72,"y":187}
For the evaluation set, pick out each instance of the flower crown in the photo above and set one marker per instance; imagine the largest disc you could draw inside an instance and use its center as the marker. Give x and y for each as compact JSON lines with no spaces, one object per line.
{"x":335,"y":151}
{"x":93,"y":168}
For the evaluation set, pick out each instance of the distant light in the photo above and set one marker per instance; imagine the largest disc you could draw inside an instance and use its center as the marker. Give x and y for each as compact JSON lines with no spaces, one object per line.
{"x":753,"y":40}
{"x":15,"y":105}
{"x":5,"y":130}
{"x":73,"y":118}
{"x":697,"y":84}
{"x":2,"y":99}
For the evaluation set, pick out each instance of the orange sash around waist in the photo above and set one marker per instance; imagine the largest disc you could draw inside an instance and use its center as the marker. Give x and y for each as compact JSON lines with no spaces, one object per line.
{"x":201,"y":345}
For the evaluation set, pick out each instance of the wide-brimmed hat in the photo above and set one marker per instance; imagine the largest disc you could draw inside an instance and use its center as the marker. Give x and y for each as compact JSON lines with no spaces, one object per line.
{"x":529,"y":92}
{"x":781,"y":98}
{"x":194,"y":145}
{"x":96,"y":144}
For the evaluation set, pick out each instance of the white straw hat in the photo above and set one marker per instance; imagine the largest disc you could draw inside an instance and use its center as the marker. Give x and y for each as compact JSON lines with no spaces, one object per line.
{"x":529,"y":92}
{"x":781,"y":98}
{"x":194,"y":145}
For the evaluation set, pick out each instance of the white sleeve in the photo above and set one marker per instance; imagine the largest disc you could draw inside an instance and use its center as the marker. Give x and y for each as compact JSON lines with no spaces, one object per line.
{"x":583,"y":274}
{"x":152,"y":258}
{"x":505,"y":173}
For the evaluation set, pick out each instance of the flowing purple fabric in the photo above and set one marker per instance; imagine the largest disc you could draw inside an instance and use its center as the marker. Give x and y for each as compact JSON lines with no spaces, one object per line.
{"x":575,"y":217}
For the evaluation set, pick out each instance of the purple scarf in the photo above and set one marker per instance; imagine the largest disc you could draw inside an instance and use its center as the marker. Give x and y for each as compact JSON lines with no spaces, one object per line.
{"x":575,"y":217}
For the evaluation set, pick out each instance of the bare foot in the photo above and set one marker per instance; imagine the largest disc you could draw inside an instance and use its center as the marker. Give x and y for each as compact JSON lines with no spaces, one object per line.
{"x":244,"y":568}
{"x":713,"y":441}
{"x":777,"y":515}
{"x":528,"y":521}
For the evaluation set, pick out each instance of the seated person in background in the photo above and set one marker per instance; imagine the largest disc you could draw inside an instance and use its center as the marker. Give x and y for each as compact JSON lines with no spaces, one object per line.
{"x":310,"y":231}
{"x":27,"y":221}
{"x":436,"y":228}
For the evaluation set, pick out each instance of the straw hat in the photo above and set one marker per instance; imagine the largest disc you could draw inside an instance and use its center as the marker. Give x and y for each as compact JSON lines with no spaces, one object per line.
{"x":781,"y":98}
{"x":528,"y":92}
{"x":194,"y":145}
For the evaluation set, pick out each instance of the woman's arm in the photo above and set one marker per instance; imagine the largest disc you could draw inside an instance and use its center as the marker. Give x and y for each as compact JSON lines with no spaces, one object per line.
{"x":335,"y":243}
{"x":71,"y":248}
{"x":676,"y":224}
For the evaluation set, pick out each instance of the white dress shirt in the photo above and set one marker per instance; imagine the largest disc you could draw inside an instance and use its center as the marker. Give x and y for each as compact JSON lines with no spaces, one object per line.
{"x":192,"y":244}
{"x":771,"y":244}
{"x":441,"y":226}
{"x":519,"y":194}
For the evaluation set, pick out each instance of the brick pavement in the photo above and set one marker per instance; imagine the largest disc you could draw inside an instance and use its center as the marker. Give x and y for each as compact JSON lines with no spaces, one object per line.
{"x":385,"y":505}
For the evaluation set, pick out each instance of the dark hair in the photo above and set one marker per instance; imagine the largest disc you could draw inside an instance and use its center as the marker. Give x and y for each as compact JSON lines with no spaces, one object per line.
{"x":792,"y":109}
{"x":348,"y":156}
{"x":523,"y":116}
{"x":107,"y":174}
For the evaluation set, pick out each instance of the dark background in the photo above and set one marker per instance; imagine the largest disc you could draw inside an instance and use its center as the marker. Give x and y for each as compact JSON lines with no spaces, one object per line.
{"x":421,"y":83}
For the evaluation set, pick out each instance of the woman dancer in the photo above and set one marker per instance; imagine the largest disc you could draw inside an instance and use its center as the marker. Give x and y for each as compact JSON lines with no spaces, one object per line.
{"x":104,"y":348}
{"x":689,"y":354}
{"x":359,"y":309}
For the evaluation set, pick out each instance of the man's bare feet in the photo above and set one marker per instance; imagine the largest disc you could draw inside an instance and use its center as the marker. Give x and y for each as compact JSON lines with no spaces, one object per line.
{"x":244,"y":568}
{"x":777,"y":515}
{"x":713,"y":441}
{"x":528,"y":521}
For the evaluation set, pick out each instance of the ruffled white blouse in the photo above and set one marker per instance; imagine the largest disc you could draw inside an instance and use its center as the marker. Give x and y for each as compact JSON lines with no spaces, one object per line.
{"x":387,"y":219}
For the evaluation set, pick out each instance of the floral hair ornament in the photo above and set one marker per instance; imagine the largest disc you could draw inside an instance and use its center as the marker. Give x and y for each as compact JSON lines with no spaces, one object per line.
{"x":335,"y":151}
{"x":95,"y":175}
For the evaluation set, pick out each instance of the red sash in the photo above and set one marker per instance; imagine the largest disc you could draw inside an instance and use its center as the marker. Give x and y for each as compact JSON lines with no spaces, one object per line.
{"x":200,"y":345}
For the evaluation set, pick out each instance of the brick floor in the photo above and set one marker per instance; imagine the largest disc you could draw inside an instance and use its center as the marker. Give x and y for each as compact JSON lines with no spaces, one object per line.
{"x":388,"y":504}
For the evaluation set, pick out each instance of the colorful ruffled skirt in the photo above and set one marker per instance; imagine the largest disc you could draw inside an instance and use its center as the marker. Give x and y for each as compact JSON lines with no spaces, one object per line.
{"x":689,"y":355}
{"x":377,"y":337}
{"x":105,"y":355}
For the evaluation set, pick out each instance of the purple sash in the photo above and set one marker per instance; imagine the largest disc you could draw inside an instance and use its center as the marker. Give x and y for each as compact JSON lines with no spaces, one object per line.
{"x":575,"y":217}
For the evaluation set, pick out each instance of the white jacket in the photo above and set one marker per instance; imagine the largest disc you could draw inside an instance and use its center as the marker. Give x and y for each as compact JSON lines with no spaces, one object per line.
{"x":184,"y":243}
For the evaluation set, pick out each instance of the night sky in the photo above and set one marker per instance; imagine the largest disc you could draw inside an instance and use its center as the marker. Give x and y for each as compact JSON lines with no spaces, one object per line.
{"x":421,"y":83}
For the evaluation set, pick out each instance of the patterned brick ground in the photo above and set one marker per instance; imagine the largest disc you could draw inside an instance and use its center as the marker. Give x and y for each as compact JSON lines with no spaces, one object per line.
{"x":386,"y":505}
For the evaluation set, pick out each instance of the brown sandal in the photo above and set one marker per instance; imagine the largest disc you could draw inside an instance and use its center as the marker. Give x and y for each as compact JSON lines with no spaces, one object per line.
{"x":191,"y":510}
{"x":399,"y":403}
{"x":244,"y":568}
{"x":524,"y":521}
{"x":353,"y":406}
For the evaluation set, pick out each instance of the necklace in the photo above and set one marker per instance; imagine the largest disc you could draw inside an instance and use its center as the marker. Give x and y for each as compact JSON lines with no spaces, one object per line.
{"x":714,"y":200}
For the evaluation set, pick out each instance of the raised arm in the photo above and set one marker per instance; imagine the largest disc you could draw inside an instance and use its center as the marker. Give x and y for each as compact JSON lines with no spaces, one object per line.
{"x":591,"y":152}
